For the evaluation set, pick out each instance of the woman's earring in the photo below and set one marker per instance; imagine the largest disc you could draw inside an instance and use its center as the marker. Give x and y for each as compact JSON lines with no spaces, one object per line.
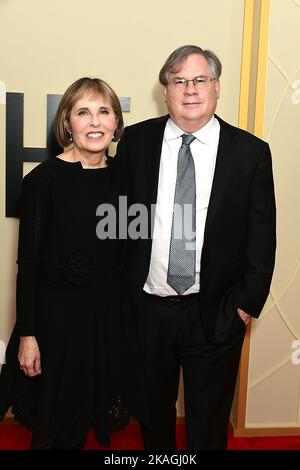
{"x":70,"y":137}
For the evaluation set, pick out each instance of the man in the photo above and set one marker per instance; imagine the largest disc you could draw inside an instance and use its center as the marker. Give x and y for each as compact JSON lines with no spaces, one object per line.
{"x":192,"y":304}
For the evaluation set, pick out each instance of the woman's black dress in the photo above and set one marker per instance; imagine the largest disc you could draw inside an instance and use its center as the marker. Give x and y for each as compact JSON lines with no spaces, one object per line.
{"x":68,"y":297}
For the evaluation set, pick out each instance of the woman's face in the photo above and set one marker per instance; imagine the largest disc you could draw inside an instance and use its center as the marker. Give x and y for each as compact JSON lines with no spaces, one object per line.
{"x":92,"y":124}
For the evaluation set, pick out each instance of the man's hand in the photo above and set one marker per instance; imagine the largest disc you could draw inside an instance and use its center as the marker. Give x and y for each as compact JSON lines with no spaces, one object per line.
{"x":29,"y":356}
{"x":244,"y":316}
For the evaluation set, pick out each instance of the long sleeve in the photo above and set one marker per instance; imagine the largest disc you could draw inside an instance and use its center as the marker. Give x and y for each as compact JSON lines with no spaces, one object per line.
{"x":261,"y":238}
{"x":35,"y":210}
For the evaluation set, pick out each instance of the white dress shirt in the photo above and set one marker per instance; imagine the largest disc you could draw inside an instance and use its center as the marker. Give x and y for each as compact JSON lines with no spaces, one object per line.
{"x":204,"y":150}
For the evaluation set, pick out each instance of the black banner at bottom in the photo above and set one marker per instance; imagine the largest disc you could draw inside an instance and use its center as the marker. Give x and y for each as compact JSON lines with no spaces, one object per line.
{"x":136,"y":459}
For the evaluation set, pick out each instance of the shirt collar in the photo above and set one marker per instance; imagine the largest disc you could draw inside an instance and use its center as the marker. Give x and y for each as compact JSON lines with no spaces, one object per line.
{"x":206,"y":134}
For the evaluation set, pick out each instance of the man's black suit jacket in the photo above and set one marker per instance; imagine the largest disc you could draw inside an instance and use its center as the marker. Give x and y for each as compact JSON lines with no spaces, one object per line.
{"x":239,"y":240}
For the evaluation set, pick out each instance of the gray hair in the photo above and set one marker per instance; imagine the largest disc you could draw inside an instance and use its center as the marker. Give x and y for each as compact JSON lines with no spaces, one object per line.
{"x":175,"y":61}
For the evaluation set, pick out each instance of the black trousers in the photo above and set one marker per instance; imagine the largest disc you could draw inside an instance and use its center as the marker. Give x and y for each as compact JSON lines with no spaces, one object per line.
{"x":171,"y":336}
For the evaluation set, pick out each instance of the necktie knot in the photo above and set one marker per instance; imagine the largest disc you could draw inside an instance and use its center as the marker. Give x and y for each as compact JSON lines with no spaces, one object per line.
{"x":187,"y":139}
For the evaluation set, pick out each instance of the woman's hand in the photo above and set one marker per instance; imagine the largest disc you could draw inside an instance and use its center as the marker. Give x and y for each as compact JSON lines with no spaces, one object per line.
{"x":29,"y":356}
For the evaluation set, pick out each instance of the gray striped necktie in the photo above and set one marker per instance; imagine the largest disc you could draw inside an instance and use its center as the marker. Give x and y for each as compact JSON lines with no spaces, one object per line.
{"x":182,"y":255}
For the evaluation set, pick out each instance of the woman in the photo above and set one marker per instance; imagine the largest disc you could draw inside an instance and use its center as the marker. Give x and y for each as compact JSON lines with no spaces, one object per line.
{"x":66,"y":360}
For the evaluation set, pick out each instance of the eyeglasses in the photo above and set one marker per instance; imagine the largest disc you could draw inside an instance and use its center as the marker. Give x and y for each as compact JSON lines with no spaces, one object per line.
{"x":198,"y":82}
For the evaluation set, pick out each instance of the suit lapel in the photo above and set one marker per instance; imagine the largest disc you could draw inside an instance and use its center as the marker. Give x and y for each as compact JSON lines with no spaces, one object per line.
{"x":223,"y":170}
{"x":152,"y":158}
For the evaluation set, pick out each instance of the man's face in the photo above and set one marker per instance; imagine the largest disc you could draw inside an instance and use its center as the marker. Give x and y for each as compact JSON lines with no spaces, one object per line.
{"x":191,"y":106}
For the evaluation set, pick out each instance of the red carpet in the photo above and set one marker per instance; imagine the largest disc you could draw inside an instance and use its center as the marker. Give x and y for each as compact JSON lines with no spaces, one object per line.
{"x":14,"y":437}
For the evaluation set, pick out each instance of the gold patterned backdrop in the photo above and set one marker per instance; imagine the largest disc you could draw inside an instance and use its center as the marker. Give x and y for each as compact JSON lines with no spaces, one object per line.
{"x":274,"y":369}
